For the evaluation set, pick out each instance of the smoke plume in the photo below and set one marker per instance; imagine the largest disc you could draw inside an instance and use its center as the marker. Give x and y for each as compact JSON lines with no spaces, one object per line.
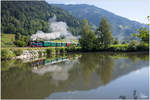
{"x":58,"y":30}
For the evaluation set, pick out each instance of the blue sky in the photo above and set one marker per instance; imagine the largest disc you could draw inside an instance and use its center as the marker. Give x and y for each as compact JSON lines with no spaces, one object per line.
{"x":132,"y":9}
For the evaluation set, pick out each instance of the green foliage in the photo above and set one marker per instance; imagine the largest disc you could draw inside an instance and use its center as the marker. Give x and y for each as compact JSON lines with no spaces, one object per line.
{"x":40,"y":53}
{"x":120,"y":47}
{"x":143,"y":46}
{"x":143,"y":34}
{"x":88,"y":37}
{"x":133,"y":45}
{"x":20,"y":43}
{"x":104,"y":34}
{"x":6,"y":54}
{"x":116,"y":42}
{"x":7,"y":40}
{"x":73,"y":48}
{"x":57,"y":50}
{"x":50,"y":51}
{"x":27,"y":17}
{"x":18,"y":36}
{"x":18,"y":52}
{"x":62,"y":50}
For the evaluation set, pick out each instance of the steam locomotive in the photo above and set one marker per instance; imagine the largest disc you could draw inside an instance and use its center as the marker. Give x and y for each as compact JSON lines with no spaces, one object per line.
{"x":52,"y":44}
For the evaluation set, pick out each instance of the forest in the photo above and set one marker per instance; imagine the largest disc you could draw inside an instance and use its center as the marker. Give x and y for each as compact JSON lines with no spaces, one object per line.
{"x":27,"y":17}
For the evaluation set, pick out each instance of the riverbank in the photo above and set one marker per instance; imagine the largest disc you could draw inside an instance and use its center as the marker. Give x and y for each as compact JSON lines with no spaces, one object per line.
{"x":32,"y":52}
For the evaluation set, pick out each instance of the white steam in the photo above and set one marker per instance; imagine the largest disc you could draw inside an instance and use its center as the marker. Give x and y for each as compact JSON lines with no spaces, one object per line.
{"x":59,"y":29}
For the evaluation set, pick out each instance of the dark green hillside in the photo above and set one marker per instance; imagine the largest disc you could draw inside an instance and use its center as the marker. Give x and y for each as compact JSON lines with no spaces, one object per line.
{"x":26,"y":17}
{"x":121,"y":27}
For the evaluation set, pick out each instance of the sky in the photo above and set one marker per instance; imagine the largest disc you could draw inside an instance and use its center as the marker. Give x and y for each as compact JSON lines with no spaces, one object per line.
{"x":136,"y":10}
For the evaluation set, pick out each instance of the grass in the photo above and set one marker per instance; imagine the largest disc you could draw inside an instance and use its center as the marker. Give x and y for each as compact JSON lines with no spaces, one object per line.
{"x":119,"y":45}
{"x":7,"y":40}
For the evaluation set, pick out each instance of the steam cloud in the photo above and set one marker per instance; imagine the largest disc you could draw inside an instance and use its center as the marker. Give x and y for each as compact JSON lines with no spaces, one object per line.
{"x":59,"y":29}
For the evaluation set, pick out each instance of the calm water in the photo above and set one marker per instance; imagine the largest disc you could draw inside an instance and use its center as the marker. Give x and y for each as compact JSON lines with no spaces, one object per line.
{"x":87,"y":75}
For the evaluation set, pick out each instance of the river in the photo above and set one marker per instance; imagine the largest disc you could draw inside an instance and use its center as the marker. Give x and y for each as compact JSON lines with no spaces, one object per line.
{"x":77,"y":76}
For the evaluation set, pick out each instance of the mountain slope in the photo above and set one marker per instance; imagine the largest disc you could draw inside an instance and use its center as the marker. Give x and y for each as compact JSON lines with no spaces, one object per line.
{"x":121,"y":27}
{"x":27,"y":17}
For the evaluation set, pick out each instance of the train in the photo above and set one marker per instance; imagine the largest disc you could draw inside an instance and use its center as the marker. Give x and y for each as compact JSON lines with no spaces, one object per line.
{"x":52,"y":44}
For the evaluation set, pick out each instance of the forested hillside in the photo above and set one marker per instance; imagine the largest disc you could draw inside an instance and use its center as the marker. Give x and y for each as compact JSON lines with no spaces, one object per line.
{"x":27,"y":17}
{"x":122,"y":28}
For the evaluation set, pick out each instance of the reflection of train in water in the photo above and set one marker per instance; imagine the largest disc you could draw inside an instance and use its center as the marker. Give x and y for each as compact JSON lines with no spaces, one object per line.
{"x":58,"y":66}
{"x":41,"y":62}
{"x":48,"y":61}
{"x":52,"y":44}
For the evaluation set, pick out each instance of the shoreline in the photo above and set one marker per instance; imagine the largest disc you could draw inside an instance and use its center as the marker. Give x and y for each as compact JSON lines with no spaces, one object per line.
{"x":42,"y":52}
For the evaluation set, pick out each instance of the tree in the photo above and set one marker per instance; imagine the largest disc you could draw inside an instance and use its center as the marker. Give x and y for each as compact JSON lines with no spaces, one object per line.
{"x":104,"y":34}
{"x":143,"y":34}
{"x":133,"y":45}
{"x":20,"y":43}
{"x":26,"y":17}
{"x":116,"y":41}
{"x":88,"y":37}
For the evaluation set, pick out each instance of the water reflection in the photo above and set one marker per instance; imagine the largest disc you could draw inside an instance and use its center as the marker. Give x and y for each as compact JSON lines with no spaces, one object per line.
{"x":41,"y":78}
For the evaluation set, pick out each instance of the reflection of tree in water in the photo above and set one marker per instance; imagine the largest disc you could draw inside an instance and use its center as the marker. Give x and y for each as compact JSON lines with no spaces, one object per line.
{"x":105,"y":68}
{"x":89,"y":65}
{"x":7,"y":64}
{"x":134,"y":57}
{"x":28,"y":84}
{"x":100,"y":63}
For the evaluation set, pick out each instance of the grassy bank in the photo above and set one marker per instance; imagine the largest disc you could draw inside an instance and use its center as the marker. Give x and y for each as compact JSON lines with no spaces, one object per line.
{"x":7,"y":53}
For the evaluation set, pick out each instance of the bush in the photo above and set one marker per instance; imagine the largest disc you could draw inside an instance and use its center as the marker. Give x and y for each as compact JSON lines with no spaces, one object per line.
{"x":57,"y":50}
{"x":7,"y":54}
{"x":20,"y":43}
{"x":143,"y":47}
{"x":116,"y":42}
{"x":40,"y":53}
{"x":71,"y":48}
{"x":50,"y":51}
{"x":18,"y":52}
{"x":133,"y":45}
{"x":62,"y":50}
{"x":120,"y":47}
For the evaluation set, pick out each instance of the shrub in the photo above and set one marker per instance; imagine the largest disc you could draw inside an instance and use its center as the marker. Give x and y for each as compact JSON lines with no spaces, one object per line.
{"x":62,"y":50}
{"x":73,"y":48}
{"x":7,"y":54}
{"x":40,"y":53}
{"x":143,"y":46}
{"x":120,"y":47}
{"x":18,"y":52}
{"x":116,"y":42}
{"x":20,"y":43}
{"x":133,"y":45}
{"x":50,"y":51}
{"x":57,"y":50}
